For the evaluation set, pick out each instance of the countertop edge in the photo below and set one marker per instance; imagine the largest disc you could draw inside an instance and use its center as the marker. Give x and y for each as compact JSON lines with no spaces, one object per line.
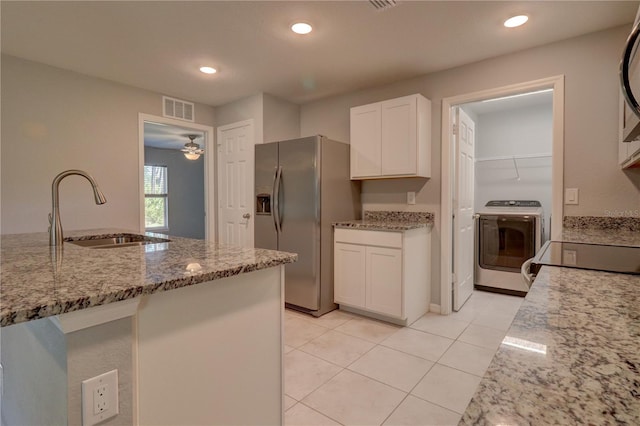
{"x":65,"y":306}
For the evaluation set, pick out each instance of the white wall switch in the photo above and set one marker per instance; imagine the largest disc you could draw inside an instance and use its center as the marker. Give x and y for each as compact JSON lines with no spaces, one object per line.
{"x":100,"y":398}
{"x":411,"y":197}
{"x":571,"y":196}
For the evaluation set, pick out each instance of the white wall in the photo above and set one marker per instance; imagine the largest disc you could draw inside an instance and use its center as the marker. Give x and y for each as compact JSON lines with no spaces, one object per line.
{"x":186,"y":191}
{"x":515,"y":132}
{"x":53,"y":120}
{"x":590,"y":65}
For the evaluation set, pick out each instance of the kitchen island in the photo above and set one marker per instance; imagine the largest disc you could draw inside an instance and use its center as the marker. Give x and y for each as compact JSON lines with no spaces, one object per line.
{"x":572,"y":354}
{"x":197,"y":354}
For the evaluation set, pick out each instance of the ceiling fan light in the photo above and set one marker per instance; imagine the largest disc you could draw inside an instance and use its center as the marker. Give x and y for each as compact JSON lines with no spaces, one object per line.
{"x":192,"y":150}
{"x":191,"y":155}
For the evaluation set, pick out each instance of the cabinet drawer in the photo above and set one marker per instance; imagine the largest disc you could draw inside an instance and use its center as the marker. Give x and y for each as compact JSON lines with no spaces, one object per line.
{"x":367,"y":237}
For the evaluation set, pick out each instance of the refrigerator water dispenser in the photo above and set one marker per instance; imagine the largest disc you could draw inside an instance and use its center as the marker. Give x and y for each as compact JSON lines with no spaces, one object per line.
{"x":263,"y":204}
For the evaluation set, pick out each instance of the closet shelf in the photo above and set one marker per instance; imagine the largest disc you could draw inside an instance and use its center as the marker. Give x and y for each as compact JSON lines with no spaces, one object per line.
{"x":513,"y":157}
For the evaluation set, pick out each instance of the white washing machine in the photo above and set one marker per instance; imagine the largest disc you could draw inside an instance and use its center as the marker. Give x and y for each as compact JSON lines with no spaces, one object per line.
{"x":508,"y":232}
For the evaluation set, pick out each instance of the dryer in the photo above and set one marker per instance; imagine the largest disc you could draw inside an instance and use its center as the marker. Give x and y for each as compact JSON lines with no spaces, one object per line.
{"x":508,"y":233}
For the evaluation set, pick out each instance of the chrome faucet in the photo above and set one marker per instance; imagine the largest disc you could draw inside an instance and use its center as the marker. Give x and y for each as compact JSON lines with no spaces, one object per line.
{"x":55,"y":226}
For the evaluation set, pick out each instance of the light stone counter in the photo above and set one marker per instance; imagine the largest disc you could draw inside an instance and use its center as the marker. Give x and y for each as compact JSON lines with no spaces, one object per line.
{"x":572,"y":354}
{"x":389,"y":221}
{"x":37,"y":283}
{"x":579,"y":355}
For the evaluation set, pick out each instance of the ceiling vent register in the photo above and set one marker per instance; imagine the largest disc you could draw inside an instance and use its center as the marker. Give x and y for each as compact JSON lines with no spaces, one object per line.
{"x":383,"y":4}
{"x":176,"y":108}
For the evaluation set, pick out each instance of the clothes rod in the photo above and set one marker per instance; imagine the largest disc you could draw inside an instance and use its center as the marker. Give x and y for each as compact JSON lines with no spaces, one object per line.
{"x":513,"y":157}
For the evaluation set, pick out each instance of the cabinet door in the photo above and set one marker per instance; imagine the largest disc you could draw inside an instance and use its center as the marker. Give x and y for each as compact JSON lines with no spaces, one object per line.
{"x":365,"y":141}
{"x":399,"y":136}
{"x":349,"y":274}
{"x":384,"y":280}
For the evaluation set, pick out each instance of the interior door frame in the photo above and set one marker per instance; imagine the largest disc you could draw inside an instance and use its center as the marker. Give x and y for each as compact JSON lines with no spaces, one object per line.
{"x":557,"y":169}
{"x":209,"y":169}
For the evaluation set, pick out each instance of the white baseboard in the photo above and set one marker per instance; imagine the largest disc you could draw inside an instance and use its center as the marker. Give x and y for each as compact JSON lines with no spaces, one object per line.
{"x":434,"y":308}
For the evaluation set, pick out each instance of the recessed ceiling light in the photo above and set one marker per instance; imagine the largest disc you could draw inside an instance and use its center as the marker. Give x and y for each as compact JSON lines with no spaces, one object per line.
{"x":208,"y":70}
{"x":516,"y":21}
{"x":301,"y":28}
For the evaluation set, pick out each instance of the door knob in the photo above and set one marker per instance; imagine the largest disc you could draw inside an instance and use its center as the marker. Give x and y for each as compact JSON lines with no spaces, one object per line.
{"x":246,"y":216}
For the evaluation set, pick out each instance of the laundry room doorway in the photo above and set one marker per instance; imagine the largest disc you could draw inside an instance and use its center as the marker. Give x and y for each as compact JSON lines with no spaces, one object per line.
{"x":518,"y":152}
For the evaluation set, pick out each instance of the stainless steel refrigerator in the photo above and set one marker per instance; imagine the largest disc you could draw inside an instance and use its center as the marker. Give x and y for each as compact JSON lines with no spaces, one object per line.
{"x":302,"y":186}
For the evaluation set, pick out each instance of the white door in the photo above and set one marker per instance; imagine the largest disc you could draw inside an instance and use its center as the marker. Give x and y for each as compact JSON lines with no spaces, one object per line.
{"x":463,"y":232}
{"x":235,"y":183}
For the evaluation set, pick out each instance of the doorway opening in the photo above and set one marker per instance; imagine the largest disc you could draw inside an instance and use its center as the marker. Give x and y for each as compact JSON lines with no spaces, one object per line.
{"x":176,"y":187}
{"x":503,"y":167}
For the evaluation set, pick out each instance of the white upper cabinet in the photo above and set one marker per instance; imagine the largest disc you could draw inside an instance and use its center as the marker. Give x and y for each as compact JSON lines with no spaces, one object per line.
{"x":391,"y":139}
{"x":365,"y":131}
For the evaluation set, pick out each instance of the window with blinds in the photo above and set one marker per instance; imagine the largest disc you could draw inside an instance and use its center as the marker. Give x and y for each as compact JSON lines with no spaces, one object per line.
{"x":156,"y":196}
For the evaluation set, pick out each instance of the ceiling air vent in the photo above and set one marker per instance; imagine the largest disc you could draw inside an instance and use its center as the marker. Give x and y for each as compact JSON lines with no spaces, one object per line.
{"x":383,"y":4}
{"x":175,"y":108}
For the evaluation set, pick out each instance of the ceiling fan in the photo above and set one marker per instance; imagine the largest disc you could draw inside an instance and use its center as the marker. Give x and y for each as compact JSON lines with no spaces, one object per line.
{"x":191,"y":149}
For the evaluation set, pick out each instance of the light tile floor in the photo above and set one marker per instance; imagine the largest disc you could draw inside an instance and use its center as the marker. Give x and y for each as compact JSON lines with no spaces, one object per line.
{"x":344,"y":369}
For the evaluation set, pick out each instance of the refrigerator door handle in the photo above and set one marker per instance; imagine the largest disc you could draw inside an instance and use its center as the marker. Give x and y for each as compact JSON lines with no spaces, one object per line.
{"x":276,"y":199}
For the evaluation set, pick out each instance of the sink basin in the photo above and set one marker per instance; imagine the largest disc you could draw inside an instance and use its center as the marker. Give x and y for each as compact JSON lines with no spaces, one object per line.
{"x":113,"y":241}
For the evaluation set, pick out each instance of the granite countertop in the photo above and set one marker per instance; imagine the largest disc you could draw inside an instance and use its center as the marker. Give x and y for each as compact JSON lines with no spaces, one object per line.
{"x":389,"y":221}
{"x":581,"y":360}
{"x":572,"y":354}
{"x":37,"y":282}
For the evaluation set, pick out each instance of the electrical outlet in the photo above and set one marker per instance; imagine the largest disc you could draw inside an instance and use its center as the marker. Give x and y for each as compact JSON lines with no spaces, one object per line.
{"x":411,"y":197}
{"x":100,"y":398}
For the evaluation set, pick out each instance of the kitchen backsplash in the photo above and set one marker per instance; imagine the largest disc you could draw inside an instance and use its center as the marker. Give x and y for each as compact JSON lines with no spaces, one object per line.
{"x":602,"y":222}
{"x":398,"y":216}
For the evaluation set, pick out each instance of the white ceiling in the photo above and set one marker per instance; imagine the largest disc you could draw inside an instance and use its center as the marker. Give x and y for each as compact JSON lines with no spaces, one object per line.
{"x":511,"y":103}
{"x":160,"y":45}
{"x":163,"y":136}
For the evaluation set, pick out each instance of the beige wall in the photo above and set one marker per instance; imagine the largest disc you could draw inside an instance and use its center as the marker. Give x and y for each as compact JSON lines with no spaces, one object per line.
{"x":247,"y":108}
{"x":590,"y":65}
{"x":273,"y":118}
{"x":96,"y":350}
{"x":44,"y":369}
{"x":34,"y":382}
{"x":53,"y":120}
{"x":281,"y":119}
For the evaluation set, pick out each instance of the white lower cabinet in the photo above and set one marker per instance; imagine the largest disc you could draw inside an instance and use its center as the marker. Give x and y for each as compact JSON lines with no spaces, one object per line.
{"x":383,"y":279}
{"x":349,"y":274}
{"x":383,"y":274}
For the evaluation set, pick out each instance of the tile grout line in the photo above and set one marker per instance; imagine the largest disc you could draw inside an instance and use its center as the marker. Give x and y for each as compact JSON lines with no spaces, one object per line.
{"x":381,"y":344}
